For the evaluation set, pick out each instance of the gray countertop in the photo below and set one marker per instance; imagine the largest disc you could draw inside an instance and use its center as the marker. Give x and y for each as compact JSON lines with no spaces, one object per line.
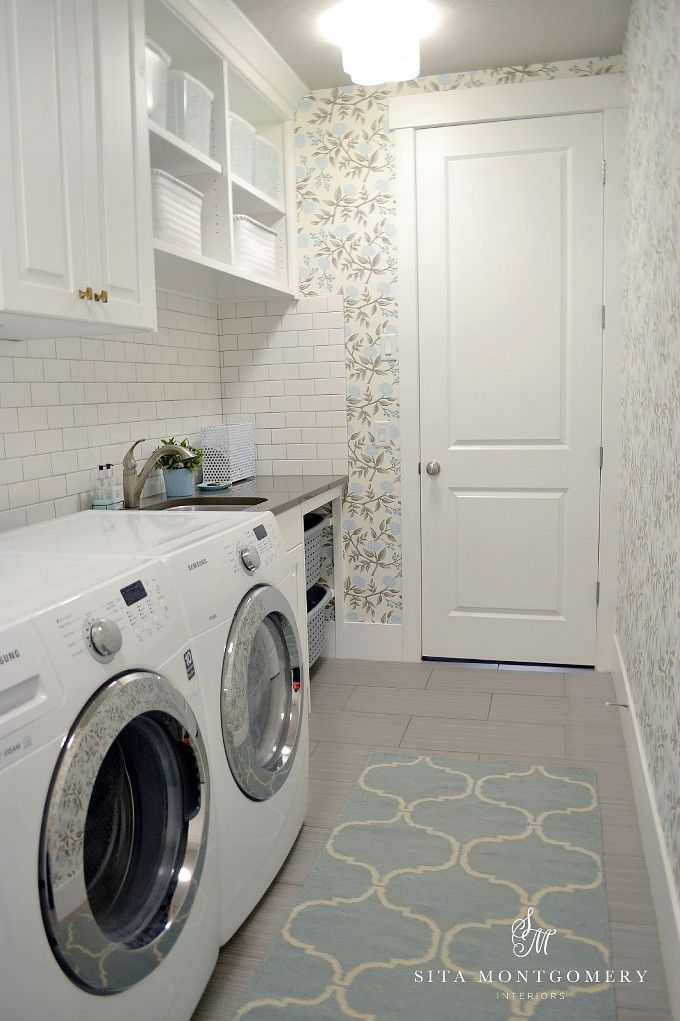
{"x":275,"y":493}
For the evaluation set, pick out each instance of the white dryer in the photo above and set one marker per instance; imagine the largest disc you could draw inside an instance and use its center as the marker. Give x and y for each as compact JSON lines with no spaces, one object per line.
{"x":108,"y":860}
{"x":240,"y":594}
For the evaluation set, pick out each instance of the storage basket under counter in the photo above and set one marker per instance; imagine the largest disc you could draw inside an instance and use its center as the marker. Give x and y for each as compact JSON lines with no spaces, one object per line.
{"x":318,"y":595}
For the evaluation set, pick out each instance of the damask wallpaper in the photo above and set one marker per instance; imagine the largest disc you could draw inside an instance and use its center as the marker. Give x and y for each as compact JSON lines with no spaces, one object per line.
{"x":649,"y":586}
{"x":346,"y":221}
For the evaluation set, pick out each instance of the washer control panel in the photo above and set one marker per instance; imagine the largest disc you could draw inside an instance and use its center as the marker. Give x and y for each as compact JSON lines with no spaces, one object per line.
{"x":117,"y":617}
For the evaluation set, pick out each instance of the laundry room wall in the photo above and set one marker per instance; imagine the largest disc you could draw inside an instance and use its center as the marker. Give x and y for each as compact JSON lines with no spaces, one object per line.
{"x":649,"y":595}
{"x":70,"y":404}
{"x":346,"y":222}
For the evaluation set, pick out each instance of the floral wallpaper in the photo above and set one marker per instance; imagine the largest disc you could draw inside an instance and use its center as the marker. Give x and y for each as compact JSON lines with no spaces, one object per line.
{"x":649,"y":586}
{"x":346,"y":222}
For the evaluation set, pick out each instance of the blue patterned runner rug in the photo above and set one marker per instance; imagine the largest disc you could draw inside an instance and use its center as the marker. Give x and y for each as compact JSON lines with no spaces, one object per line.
{"x":450,"y":891}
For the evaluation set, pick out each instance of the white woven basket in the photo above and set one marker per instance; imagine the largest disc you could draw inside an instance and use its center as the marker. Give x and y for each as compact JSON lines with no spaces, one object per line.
{"x":229,"y":452}
{"x":176,"y":211}
{"x":254,"y":246}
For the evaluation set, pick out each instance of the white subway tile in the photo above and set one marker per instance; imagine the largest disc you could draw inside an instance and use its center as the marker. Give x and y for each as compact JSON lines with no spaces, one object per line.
{"x":41,"y":348}
{"x":299,"y":387}
{"x":250,"y":308}
{"x":329,"y":321}
{"x":286,"y":435}
{"x":23,"y":493}
{"x":39,"y":512}
{"x":7,"y":369}
{"x":312,"y":338}
{"x":37,"y":467}
{"x":303,"y":419}
{"x":19,"y":444}
{"x":269,"y":388}
{"x":47,"y":441}
{"x":28,"y":370}
{"x":31,"y":418}
{"x":52,"y":488}
{"x":15,"y":395}
{"x":317,"y":467}
{"x":314,"y":303}
{"x":332,"y":450}
{"x":68,"y":347}
{"x":331,"y":353}
{"x":11,"y":470}
{"x":9,"y":420}
{"x":286,"y":467}
{"x":12,"y":519}
{"x":301,"y":451}
{"x":285,"y":403}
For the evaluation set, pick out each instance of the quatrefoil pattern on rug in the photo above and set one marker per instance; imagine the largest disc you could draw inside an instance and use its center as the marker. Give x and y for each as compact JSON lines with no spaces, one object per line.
{"x":408,"y":912}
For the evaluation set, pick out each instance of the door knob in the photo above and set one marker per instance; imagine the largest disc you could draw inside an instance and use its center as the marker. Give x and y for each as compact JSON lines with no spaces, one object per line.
{"x":433,"y":468}
{"x":103,"y":296}
{"x":87,"y":294}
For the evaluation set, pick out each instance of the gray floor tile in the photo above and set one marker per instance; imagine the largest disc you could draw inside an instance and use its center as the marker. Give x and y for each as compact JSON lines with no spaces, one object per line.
{"x":367,"y":672}
{"x":588,"y":684}
{"x":633,"y":947}
{"x":621,"y":830}
{"x":628,"y":892}
{"x":254,"y":937}
{"x":548,"y":709}
{"x":326,"y":695}
{"x":306,"y":850}
{"x":365,"y":728}
{"x":591,"y":743}
{"x":227,"y":988}
{"x":342,"y":761}
{"x":450,"y":678}
{"x":446,"y":704}
{"x":326,"y":801}
{"x":485,"y":735}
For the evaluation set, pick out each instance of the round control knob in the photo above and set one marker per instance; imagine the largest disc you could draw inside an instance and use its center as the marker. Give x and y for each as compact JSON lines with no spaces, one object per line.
{"x":105,"y":639}
{"x":250,"y":558}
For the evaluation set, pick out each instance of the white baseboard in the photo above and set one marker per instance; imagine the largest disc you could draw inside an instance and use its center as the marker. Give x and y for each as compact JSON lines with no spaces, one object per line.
{"x":373,"y":641}
{"x":661,"y":879}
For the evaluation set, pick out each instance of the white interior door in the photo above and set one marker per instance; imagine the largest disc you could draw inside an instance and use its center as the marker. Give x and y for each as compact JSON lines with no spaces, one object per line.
{"x":510,"y":298}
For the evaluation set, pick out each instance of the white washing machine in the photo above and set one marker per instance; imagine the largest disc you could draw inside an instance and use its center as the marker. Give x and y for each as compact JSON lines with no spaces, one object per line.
{"x":239,"y":589}
{"x":108,"y":876}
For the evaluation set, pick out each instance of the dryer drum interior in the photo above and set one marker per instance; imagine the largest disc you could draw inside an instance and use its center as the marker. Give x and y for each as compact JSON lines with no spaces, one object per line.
{"x":124,"y":833}
{"x":262,"y":693}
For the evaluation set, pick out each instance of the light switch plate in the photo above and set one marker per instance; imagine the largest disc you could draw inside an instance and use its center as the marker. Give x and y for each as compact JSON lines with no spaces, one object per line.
{"x":382,"y":434}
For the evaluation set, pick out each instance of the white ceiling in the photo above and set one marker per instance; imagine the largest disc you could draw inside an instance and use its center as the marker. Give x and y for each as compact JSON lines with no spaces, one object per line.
{"x":473,"y":34}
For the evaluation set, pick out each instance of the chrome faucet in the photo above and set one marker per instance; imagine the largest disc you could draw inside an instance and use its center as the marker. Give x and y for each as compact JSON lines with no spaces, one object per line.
{"x":133,"y":484}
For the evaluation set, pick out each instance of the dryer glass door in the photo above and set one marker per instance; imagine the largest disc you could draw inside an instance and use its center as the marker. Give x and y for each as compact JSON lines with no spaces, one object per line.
{"x":262,"y":693}
{"x":124,"y":833}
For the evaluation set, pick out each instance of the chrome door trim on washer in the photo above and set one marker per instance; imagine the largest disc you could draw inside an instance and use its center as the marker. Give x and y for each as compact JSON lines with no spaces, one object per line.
{"x":260,"y":774}
{"x":95,"y":959}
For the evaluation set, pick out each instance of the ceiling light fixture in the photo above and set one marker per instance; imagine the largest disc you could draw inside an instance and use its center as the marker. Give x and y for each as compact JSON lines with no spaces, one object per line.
{"x":379,"y":39}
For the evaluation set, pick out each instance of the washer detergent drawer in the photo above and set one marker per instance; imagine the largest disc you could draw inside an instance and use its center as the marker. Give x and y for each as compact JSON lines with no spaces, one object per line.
{"x":29,"y":687}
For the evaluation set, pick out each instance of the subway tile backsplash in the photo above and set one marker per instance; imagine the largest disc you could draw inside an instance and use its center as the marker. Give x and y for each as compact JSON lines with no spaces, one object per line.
{"x":70,"y":404}
{"x":283,"y":368}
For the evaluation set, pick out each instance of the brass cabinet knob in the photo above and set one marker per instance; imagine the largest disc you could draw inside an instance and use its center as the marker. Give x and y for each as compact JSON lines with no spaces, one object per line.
{"x":103,"y":296}
{"x":87,"y":294}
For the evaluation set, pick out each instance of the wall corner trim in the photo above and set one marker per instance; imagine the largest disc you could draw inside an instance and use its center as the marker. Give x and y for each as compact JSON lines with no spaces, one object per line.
{"x":664,"y":893}
{"x":373,"y":641}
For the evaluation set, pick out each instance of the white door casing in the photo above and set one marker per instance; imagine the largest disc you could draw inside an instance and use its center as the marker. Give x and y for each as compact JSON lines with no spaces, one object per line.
{"x":510,"y":296}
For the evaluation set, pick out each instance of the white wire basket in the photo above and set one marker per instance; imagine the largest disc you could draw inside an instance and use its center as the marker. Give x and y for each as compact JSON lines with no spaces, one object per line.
{"x":228,"y":452}
{"x":318,"y":599}
{"x":314,"y":525}
{"x":176,"y":211}
{"x":190,"y":106}
{"x":254,"y":246}
{"x":242,"y":146}
{"x":267,"y":167}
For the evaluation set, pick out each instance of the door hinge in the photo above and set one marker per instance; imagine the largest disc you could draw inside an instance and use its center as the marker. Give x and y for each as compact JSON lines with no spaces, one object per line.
{"x":604,"y":316}
{"x":604,"y":171}
{"x":601,"y":458}
{"x":419,"y":467}
{"x":597,"y":594}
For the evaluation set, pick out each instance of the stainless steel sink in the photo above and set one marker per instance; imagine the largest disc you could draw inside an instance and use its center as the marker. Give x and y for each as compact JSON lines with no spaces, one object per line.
{"x":210,"y":503}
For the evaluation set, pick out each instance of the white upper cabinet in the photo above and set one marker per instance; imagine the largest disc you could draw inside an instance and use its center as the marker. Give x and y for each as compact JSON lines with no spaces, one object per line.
{"x":75,"y":203}
{"x":116,"y":159}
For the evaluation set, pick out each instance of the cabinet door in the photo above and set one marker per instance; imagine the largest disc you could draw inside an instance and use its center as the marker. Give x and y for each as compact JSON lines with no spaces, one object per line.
{"x":42,"y":221}
{"x":116,"y":161}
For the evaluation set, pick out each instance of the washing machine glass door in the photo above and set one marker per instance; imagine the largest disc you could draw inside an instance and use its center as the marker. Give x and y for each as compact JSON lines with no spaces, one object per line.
{"x":124,"y":833}
{"x":262,"y":693}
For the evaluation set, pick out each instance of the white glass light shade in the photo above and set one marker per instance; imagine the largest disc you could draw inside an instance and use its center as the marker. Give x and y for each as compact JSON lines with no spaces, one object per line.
{"x":380,"y":39}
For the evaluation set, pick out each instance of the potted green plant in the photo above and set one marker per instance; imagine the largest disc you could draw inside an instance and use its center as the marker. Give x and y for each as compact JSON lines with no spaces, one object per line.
{"x":177,"y":474}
